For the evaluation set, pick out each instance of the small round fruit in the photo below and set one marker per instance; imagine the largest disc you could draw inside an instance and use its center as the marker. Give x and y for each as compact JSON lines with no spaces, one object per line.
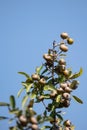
{"x":70,"y":41}
{"x":67,"y":123}
{"x":62,"y":68}
{"x":67,"y":128}
{"x":66,"y":103}
{"x":42,"y":81}
{"x":35,"y":77}
{"x":34,"y":127}
{"x":47,"y":57}
{"x":66,"y":95}
{"x":63,"y":85}
{"x":33,"y":120}
{"x":23,"y":120}
{"x":66,"y":72}
{"x":64,"y":35}
{"x":63,"y":47}
{"x":60,"y":90}
{"x":68,"y":90}
{"x":62,"y":61}
{"x":53,"y":94}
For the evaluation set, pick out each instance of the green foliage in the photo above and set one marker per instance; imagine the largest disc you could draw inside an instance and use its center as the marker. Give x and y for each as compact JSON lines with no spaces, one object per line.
{"x":77,"y":99}
{"x":12,"y":102}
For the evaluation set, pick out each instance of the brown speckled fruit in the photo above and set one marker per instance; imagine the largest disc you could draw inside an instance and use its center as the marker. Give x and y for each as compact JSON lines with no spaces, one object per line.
{"x":34,"y":127}
{"x":64,"y":35}
{"x":66,"y":72}
{"x":67,"y":128}
{"x":33,"y":120}
{"x":42,"y":81}
{"x":63,"y":85}
{"x":63,"y":47}
{"x":23,"y":120}
{"x":47,"y":57}
{"x":68,"y":90}
{"x":35,"y":77}
{"x":70,"y":41}
{"x":62,"y":61}
{"x":66,"y":103}
{"x":53,"y":94}
{"x":66,"y":95}
{"x":67,"y":123}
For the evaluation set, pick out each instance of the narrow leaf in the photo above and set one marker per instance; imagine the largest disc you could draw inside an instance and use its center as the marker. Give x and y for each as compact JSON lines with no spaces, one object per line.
{"x":77,"y":99}
{"x":25,"y":74}
{"x":4,"y":104}
{"x":49,"y":87}
{"x":58,"y":98}
{"x":16,"y":111}
{"x":38,"y":69}
{"x":76,"y":75}
{"x":33,"y":95}
{"x":29,"y":87}
{"x":3,"y":117}
{"x":12,"y":101}
{"x":19,"y":92}
{"x":24,"y":100}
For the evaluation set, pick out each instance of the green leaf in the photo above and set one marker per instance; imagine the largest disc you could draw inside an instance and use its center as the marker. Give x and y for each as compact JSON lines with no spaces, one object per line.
{"x":60,"y":117}
{"x":29,"y":87}
{"x":3,"y":117}
{"x":15,"y":111}
{"x":24,"y":100}
{"x":49,"y":87}
{"x":77,"y":99}
{"x":12,"y":102}
{"x":4,"y":104}
{"x":19,"y":92}
{"x":25,"y":74}
{"x":58,"y":98}
{"x":76,"y":75}
{"x":33,"y":95}
{"x":13,"y":128}
{"x":38,"y":69}
{"x":72,"y":127}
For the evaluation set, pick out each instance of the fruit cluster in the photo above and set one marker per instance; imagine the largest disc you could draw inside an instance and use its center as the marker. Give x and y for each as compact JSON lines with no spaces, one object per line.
{"x":52,"y":85}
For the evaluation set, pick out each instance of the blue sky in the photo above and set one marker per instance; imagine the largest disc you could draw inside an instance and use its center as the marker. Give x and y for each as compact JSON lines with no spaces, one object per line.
{"x":27,"y":30}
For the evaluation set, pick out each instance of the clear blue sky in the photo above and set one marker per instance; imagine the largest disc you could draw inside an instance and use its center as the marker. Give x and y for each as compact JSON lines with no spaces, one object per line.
{"x":27,"y":30}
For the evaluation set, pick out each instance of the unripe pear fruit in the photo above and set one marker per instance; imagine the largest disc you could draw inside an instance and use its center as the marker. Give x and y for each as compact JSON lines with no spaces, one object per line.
{"x":47,"y":57}
{"x":23,"y":120}
{"x":66,"y":103}
{"x":66,"y":95}
{"x":66,"y":72}
{"x":62,"y":68}
{"x":33,"y":120}
{"x":67,"y":123}
{"x":64,"y":35}
{"x":63,"y":85}
{"x":42,"y":81}
{"x":35,"y":77}
{"x":67,"y":128}
{"x":53,"y":94}
{"x":34,"y":127}
{"x":60,"y":90}
{"x":68,"y":90}
{"x":62,"y":61}
{"x":70,"y":41}
{"x":63,"y":47}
